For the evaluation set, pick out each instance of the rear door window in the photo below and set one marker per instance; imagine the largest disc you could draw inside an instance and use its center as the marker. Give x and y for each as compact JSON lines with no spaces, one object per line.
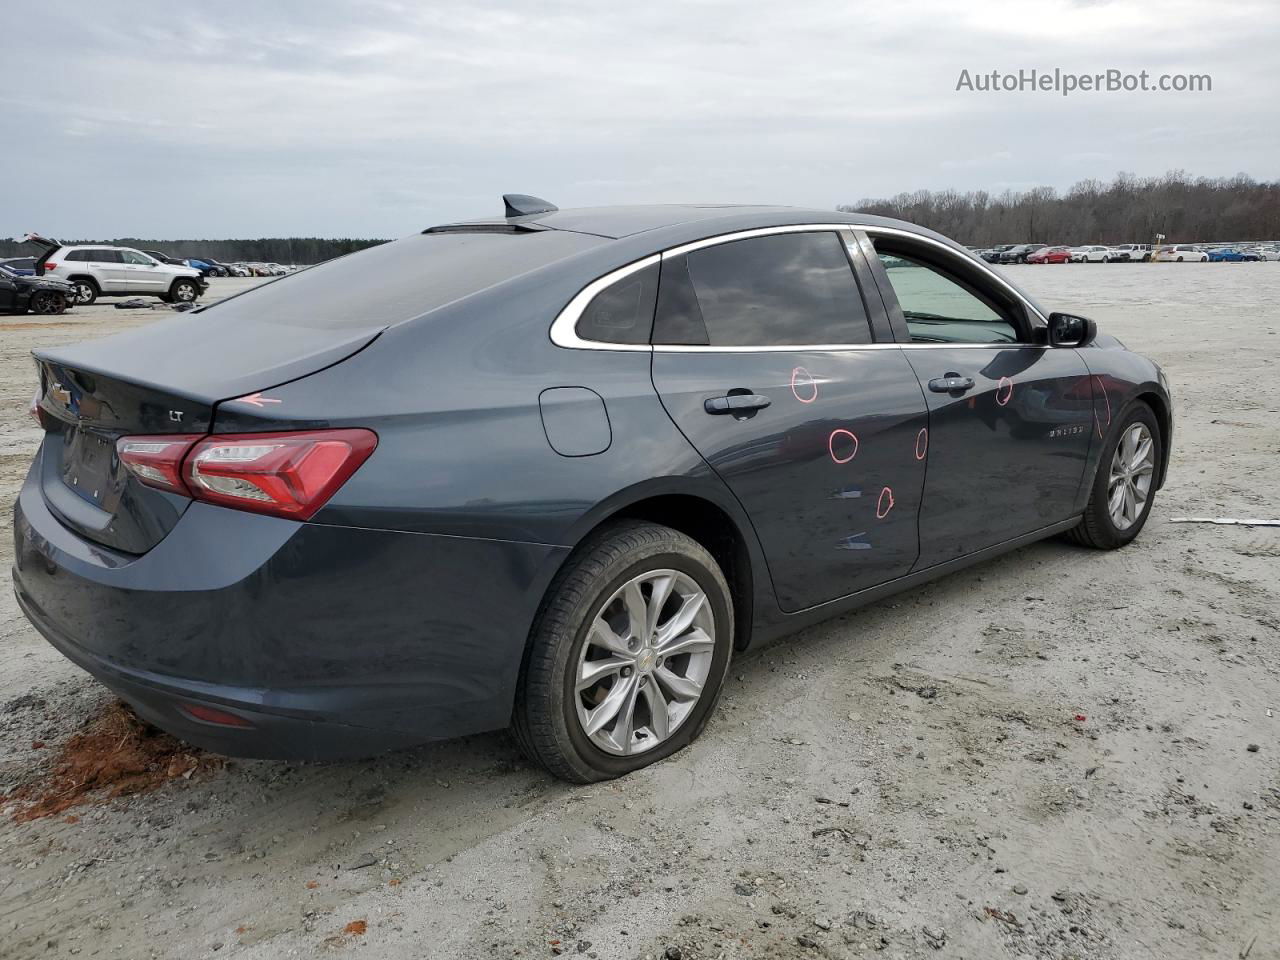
{"x":786,"y":289}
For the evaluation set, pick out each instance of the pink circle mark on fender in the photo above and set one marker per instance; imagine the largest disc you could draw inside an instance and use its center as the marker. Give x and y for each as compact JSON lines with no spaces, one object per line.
{"x":922,"y":443}
{"x":884,"y":504}
{"x":806,"y":382}
{"x":1004,"y":391}
{"x":831,"y":445}
{"x":1097,"y":422}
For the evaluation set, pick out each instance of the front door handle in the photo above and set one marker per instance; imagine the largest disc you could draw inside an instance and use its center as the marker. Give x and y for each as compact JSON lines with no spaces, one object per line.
{"x":736,"y":403}
{"x":951,"y":383}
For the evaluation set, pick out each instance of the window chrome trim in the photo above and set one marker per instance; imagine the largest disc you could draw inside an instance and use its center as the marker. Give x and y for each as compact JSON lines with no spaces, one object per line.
{"x":840,"y":347}
{"x":757,"y":232}
{"x":564,"y":331}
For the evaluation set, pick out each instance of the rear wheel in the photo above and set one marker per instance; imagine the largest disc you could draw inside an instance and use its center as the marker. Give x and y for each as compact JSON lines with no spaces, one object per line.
{"x":1124,"y":486}
{"x":84,"y":291}
{"x":48,"y":302}
{"x":627,"y":656}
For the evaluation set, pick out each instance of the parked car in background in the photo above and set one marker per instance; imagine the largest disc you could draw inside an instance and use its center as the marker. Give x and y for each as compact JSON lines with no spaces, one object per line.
{"x":165,"y":258}
{"x":239,"y":270}
{"x":1265,"y":252}
{"x":206,"y":269}
{"x":96,"y":270}
{"x":23,"y":266}
{"x":20,"y":292}
{"x":217,"y":269}
{"x":1050,"y":255}
{"x":1132,"y":252}
{"x":277,"y":270}
{"x":992,"y":255}
{"x":528,"y":478}
{"x":1020,"y":252}
{"x":1095,"y":253}
{"x":1180,"y":252}
{"x":1232,"y":255}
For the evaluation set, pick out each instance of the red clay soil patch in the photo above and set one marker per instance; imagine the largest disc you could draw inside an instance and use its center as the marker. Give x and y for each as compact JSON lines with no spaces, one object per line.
{"x":114,"y":755}
{"x":356,"y":928}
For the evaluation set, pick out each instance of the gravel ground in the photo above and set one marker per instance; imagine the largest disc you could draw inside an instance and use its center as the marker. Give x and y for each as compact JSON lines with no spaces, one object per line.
{"x":913,"y":780}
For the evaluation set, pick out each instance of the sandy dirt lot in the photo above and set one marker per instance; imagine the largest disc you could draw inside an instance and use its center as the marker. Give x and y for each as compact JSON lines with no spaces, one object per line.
{"x":913,"y":780}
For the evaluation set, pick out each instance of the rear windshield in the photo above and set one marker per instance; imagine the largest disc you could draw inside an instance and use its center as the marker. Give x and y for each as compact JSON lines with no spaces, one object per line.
{"x":400,"y":280}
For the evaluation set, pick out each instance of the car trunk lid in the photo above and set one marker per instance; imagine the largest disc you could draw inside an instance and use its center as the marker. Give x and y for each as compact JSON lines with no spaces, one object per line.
{"x":165,"y":379}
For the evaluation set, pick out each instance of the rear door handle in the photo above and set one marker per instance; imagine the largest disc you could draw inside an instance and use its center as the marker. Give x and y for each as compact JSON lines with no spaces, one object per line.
{"x":951,"y":383}
{"x":735,"y":403}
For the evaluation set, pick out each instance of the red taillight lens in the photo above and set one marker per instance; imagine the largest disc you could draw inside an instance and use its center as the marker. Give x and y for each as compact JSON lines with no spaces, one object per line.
{"x":50,"y":265}
{"x":157,"y":461}
{"x":283,"y":474}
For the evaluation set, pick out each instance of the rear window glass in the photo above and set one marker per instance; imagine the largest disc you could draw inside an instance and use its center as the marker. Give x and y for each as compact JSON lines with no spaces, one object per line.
{"x":622,"y":312}
{"x":400,"y":280}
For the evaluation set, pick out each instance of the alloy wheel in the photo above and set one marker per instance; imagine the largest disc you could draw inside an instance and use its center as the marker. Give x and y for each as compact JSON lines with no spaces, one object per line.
{"x":83,"y":293}
{"x":185,"y":292}
{"x":46,"y":303}
{"x":645,"y":662}
{"x":1132,"y":468}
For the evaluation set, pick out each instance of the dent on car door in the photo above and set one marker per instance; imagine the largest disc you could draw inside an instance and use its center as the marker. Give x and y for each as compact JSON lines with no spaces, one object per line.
{"x":1010,"y":418}
{"x":764,"y":357}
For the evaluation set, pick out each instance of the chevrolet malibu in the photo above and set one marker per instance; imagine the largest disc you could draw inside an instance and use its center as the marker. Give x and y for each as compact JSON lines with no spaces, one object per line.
{"x":552,"y":470}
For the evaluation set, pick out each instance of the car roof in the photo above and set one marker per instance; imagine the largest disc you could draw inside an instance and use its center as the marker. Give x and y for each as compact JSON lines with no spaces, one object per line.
{"x":680,"y":222}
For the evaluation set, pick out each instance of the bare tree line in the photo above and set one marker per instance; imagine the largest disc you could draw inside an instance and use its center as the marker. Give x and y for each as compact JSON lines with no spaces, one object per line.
{"x":1129,"y":209}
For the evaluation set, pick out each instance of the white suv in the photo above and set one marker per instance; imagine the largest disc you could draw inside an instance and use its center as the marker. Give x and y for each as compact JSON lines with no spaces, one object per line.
{"x":95,"y":270}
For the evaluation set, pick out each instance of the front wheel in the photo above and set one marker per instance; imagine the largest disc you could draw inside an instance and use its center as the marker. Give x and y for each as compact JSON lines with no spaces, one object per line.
{"x":627,"y":655}
{"x":184,"y":291}
{"x":1124,"y":485}
{"x":48,"y":302}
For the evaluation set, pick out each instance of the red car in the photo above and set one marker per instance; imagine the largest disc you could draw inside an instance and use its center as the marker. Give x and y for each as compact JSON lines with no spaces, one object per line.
{"x":1051,"y":255}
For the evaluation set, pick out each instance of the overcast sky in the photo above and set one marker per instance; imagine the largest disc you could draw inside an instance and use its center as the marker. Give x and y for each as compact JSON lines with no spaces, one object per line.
{"x":379,"y":118}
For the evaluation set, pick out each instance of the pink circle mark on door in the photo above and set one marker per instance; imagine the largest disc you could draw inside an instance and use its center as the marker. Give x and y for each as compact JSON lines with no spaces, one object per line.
{"x":804,"y":382}
{"x":845,"y":437}
{"x":884,"y":504}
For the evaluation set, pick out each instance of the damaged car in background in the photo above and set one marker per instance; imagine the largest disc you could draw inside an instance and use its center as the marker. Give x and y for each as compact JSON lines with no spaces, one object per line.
{"x":22,"y":292}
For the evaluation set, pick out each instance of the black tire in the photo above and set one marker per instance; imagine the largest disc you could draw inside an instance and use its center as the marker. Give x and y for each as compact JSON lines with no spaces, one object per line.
{"x":545,"y":720}
{"x":84,"y":291}
{"x":1096,"y":528}
{"x":182,"y":291}
{"x":48,"y":302}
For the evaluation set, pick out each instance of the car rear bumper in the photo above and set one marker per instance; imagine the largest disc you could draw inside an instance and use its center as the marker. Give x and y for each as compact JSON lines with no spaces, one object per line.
{"x":331,"y":642}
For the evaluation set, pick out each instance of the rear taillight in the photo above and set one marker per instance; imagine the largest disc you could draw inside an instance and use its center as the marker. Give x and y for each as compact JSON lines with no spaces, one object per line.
{"x":157,"y":461}
{"x":282,"y":474}
{"x":50,"y":265}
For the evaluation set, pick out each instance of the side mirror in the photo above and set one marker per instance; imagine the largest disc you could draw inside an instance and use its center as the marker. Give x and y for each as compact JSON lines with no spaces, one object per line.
{"x":1068,"y":330}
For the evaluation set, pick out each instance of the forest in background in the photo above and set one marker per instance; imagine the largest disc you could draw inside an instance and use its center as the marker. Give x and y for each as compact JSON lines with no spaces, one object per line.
{"x":1129,"y":209}
{"x":287,"y":250}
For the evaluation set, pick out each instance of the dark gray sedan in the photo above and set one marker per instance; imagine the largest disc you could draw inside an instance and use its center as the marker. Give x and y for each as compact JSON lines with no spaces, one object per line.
{"x":551,"y":470}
